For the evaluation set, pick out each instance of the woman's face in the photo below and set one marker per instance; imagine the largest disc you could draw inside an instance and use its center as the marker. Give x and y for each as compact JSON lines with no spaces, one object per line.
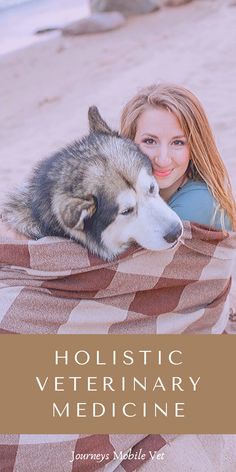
{"x":160,"y":136}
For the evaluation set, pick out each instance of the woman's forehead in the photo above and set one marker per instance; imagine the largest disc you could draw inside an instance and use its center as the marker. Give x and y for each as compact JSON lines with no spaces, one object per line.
{"x":158,"y":119}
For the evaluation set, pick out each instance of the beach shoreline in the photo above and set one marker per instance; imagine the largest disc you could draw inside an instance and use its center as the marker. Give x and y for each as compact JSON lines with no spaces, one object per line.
{"x":18,"y":23}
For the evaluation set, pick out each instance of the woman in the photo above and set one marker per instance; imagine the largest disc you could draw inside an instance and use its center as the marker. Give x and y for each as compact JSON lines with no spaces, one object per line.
{"x":171,"y":128}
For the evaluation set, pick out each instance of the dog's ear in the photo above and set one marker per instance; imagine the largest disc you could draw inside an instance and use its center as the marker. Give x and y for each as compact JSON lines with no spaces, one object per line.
{"x":96,"y":123}
{"x":73,"y":211}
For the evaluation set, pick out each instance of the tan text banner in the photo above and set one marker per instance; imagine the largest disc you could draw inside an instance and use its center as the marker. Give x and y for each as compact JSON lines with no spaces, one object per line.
{"x":117,"y":384}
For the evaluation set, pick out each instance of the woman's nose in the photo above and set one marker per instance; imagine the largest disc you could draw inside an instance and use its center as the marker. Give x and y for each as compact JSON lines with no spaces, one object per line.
{"x":162,"y":156}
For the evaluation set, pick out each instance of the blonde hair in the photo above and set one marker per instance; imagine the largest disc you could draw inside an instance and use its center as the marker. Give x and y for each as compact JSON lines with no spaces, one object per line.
{"x":205,"y":161}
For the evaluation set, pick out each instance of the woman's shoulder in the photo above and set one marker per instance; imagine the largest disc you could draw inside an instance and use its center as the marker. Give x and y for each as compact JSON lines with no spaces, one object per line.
{"x":194,"y":186}
{"x":193,"y":191}
{"x":195,"y":202}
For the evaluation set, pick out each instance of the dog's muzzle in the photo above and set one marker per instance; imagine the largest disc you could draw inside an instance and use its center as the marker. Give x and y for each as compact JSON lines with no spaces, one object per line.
{"x":174,"y":234}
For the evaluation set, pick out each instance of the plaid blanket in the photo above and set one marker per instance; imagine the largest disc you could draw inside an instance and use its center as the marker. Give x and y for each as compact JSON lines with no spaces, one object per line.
{"x":181,"y":290}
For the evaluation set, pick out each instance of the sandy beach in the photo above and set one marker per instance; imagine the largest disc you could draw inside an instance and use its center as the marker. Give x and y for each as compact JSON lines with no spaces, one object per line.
{"x":46,"y":88}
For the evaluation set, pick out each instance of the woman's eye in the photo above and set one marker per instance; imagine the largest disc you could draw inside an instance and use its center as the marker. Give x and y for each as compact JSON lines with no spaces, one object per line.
{"x":128,"y":211}
{"x":178,"y":142}
{"x":149,"y":141}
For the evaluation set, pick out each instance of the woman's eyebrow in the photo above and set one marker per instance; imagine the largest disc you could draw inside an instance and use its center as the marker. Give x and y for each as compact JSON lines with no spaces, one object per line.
{"x":155,"y":136}
{"x":149,"y":134}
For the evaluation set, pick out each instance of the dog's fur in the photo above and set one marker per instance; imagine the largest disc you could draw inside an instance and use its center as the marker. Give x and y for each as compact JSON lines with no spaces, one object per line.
{"x":98,"y":191}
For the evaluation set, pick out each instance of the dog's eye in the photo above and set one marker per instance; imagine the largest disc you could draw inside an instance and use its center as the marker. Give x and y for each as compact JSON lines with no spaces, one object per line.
{"x":128,"y":211}
{"x":151,"y":188}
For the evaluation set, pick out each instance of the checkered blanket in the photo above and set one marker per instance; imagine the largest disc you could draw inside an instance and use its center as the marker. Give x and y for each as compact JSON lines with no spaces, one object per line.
{"x":181,"y":290}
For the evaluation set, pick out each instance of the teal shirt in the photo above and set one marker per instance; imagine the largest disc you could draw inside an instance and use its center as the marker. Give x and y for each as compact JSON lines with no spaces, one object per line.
{"x":195,"y":202}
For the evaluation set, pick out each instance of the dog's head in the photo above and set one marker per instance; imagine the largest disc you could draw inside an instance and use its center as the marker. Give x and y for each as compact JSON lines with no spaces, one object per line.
{"x":109,"y":197}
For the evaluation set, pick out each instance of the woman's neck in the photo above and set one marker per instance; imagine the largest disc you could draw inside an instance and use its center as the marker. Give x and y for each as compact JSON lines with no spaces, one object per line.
{"x":166,"y":193}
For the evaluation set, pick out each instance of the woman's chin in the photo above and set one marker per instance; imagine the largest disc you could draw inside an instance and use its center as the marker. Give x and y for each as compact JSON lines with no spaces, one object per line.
{"x":164,"y":182}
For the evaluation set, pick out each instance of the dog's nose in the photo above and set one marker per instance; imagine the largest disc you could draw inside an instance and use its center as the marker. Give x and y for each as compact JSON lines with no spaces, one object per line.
{"x":173,"y":234}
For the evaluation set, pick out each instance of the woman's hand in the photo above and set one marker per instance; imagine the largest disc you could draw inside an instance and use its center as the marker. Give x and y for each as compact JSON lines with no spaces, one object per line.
{"x":7,"y":232}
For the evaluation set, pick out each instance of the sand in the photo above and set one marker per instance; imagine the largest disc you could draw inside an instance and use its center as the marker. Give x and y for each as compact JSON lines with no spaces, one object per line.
{"x":46,"y":89}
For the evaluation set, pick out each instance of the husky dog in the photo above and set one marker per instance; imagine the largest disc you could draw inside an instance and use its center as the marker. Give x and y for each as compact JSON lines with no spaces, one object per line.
{"x":98,"y":191}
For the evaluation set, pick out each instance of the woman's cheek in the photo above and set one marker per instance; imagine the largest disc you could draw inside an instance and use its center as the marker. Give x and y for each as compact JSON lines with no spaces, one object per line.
{"x":182,"y":158}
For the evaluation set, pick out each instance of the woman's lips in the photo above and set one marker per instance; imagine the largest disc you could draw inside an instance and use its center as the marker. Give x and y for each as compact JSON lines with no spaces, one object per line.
{"x":163,"y":173}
